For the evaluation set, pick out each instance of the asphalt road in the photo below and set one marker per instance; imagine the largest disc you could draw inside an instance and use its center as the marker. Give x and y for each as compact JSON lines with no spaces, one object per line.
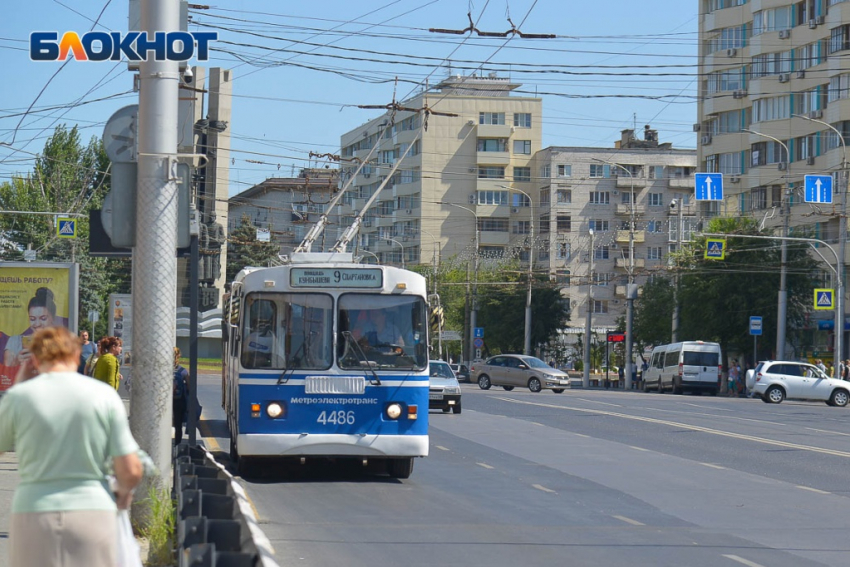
{"x":602,"y":478}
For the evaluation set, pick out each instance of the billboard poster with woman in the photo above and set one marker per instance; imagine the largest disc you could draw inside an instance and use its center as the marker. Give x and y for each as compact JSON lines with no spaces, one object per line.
{"x":33,"y":295}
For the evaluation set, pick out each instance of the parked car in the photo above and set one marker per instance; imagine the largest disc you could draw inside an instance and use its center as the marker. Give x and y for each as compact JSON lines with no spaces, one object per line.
{"x":511,"y":370}
{"x":775,"y":380}
{"x":444,"y":392}
{"x":461,"y":371}
{"x":679,"y":367}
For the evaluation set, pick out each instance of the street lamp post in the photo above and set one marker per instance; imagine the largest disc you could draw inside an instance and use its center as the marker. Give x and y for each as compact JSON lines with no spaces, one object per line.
{"x":585,"y":379}
{"x":474,"y":313}
{"x":674,"y":335}
{"x":526,"y":348}
{"x":434,"y":284}
{"x":402,"y":250}
{"x":782,"y":308}
{"x":631,"y":278}
{"x":842,"y":243}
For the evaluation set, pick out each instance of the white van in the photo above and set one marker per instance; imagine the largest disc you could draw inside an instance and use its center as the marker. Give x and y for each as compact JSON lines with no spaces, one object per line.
{"x":690,"y":365}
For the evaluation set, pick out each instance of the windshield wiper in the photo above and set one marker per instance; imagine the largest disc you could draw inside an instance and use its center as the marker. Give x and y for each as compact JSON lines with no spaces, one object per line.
{"x":362,"y":358}
{"x":289,"y":365}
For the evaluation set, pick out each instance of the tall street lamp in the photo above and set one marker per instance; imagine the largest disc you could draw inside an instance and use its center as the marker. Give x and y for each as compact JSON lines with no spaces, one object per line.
{"x":394,"y":241}
{"x":474,"y":313}
{"x":629,"y":287}
{"x":842,"y":243}
{"x":434,"y":296}
{"x":678,"y":204}
{"x":526,"y":345}
{"x":585,"y":378}
{"x":782,"y":308}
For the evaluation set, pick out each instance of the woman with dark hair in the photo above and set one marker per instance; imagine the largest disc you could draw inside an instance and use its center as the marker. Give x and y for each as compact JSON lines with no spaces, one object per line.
{"x":42,"y":313}
{"x":107,"y":366}
{"x":63,"y":511}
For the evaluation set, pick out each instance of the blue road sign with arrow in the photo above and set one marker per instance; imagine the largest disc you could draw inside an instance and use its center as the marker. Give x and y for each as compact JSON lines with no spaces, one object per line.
{"x":709,"y":186}
{"x":818,"y":188}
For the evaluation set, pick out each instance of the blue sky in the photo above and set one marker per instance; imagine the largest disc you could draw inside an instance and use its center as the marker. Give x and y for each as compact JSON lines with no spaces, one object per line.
{"x":301,"y":68}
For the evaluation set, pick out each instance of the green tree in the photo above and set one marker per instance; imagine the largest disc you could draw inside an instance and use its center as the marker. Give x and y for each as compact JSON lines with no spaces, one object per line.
{"x":653,"y":313}
{"x":243,"y":249}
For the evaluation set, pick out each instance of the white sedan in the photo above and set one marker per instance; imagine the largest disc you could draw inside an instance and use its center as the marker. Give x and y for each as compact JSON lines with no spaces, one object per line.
{"x":775,"y":380}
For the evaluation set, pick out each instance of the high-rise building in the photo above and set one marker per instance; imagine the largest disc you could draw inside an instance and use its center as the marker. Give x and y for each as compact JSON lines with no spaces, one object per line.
{"x":624,"y":195}
{"x":460,"y":180}
{"x":773,"y":84}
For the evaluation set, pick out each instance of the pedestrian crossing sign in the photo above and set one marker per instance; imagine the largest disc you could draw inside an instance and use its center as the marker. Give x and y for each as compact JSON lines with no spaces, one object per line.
{"x":66,"y":228}
{"x":824,"y":299}
{"x":715,"y":249}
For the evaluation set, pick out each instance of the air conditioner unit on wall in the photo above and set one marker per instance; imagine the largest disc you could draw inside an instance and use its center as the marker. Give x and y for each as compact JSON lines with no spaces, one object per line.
{"x":731,"y":52}
{"x":472,"y":199}
{"x":784,"y":34}
{"x":705,"y":139}
{"x":810,"y":160}
{"x":813,"y":24}
{"x":801,"y":74}
{"x":697,"y":127}
{"x":816,"y":114}
{"x":739,"y":94}
{"x":783,"y":166}
{"x":615,"y":192}
{"x":784,"y":77}
{"x":821,"y":20}
{"x":734,"y":179}
{"x":515,"y":210}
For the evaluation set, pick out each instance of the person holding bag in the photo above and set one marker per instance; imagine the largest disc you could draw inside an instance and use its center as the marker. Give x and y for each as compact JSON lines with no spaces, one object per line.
{"x":65,"y":429}
{"x":107,"y":366}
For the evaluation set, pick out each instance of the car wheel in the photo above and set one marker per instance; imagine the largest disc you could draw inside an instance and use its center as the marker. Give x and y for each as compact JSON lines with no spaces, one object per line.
{"x":774,"y":395}
{"x":534,"y":385}
{"x":484,"y":382}
{"x":764,"y":399}
{"x":400,"y":468}
{"x":839,"y":397}
{"x":558,"y":390}
{"x":456,"y":409}
{"x":508,"y":388}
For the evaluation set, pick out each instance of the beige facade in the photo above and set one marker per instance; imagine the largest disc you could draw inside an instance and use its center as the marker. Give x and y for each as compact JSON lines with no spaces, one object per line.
{"x":471,"y":160}
{"x":584,"y":188}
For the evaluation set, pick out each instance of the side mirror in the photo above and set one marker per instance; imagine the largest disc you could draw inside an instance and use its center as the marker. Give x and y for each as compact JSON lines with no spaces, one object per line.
{"x":523,"y":367}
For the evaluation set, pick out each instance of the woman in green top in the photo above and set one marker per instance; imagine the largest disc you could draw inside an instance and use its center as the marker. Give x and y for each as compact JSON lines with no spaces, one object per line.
{"x":106,"y":369}
{"x":64,"y":428}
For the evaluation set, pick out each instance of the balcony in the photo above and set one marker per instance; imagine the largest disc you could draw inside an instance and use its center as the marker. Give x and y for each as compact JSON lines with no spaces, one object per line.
{"x":623,"y":236}
{"x":626,"y":209}
{"x":682,"y":183}
{"x":494,"y":130}
{"x":494,"y":158}
{"x":493,"y":238}
{"x":625,"y":182}
{"x":624,"y":263}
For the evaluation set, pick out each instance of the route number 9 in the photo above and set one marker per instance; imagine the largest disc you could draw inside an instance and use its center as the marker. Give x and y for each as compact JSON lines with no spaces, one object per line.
{"x":340,"y":417}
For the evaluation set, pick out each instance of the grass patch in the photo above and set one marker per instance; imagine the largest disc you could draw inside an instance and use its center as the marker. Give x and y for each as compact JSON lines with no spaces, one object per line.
{"x":159,"y":527}
{"x":205,"y":365}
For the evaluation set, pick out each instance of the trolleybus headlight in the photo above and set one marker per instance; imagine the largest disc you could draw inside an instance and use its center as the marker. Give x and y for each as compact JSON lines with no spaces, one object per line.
{"x":394,"y":411}
{"x":274,"y":410}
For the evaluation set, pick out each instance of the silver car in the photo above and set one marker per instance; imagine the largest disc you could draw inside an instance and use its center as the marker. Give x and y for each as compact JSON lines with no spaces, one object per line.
{"x":775,"y":380}
{"x":511,"y":370}
{"x":444,"y":392}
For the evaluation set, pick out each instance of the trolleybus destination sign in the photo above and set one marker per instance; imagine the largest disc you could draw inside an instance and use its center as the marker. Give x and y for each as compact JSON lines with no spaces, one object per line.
{"x":337,"y":277}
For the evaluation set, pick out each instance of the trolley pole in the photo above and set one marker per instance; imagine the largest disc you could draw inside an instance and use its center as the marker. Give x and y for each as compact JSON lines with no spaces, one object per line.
{"x":154,"y":257}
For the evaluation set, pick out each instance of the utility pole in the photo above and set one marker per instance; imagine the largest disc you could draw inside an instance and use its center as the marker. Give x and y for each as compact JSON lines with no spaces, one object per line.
{"x":585,"y":379}
{"x":675,"y":333}
{"x":154,"y":258}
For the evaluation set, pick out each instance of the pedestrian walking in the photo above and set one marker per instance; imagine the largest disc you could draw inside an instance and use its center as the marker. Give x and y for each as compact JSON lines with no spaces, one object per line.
{"x":846,"y":374}
{"x":734,"y":371}
{"x":180,"y":397}
{"x":107,"y":367}
{"x":64,"y":428}
{"x":88,"y":348}
{"x":819,"y":363}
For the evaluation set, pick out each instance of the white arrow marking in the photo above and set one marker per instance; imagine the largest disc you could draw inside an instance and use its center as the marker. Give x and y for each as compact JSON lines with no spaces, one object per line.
{"x":708,"y":187}
{"x":818,"y":194}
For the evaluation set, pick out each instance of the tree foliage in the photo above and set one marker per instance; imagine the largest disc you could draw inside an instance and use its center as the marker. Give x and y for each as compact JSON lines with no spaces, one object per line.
{"x":243,"y":249}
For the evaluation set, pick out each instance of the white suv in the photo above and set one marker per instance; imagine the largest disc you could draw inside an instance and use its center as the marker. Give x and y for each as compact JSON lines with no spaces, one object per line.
{"x":775,"y":380}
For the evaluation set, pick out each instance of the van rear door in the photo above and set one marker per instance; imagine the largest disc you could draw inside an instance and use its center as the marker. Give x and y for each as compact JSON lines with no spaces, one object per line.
{"x":700,"y":366}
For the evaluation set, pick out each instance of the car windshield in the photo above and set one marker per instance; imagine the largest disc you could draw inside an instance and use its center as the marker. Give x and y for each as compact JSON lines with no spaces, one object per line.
{"x":534,"y":362}
{"x":440,"y":369}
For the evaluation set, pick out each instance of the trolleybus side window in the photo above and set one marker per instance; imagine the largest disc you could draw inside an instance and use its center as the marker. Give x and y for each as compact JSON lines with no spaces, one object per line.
{"x":389,"y":331}
{"x":285,"y":330}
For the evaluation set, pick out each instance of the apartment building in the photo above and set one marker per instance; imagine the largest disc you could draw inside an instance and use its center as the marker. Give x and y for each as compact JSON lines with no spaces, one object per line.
{"x":623,"y":194}
{"x":460,"y":179}
{"x":287,"y":206}
{"x":774,"y":96}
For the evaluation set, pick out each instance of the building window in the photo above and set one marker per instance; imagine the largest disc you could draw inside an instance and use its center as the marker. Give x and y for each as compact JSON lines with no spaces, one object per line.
{"x":599,"y":170}
{"x":495,"y":118}
{"x":522,"y":119}
{"x":492,"y":252}
{"x":522,"y":147}
{"x":565,"y":171}
{"x":771,"y":20}
{"x":758,"y":198}
{"x":598,"y":225}
{"x":601,"y":253}
{"x":839,"y":38}
{"x":626,"y":197}
{"x":772,"y":108}
{"x":522,"y":174}
{"x":600,"y":198}
{"x":521,"y":227}
{"x":562,"y":252}
{"x":764,"y":153}
{"x":520,"y":200}
{"x":545,"y":196}
{"x":728,"y":80}
{"x":564,"y":196}
{"x":546,"y":171}
{"x":492,"y":197}
{"x":653,"y":253}
{"x":770,"y":64}
{"x":600,"y":306}
{"x":601,"y":279}
{"x":562,"y":277}
{"x":544,"y":224}
{"x":543,"y":250}
{"x":492,"y":144}
{"x":565,"y":223}
{"x":491,"y":172}
{"x":493,"y":225}
{"x":656,"y":199}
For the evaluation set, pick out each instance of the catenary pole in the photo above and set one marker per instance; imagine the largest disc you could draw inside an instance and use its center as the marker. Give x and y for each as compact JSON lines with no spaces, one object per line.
{"x":154,"y":258}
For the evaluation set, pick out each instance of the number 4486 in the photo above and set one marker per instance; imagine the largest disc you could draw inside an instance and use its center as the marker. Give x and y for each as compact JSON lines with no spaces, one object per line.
{"x":340,"y":417}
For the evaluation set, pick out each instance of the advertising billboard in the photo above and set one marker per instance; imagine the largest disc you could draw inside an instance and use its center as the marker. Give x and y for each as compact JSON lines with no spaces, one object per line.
{"x":33,"y":295}
{"x":121,"y":323}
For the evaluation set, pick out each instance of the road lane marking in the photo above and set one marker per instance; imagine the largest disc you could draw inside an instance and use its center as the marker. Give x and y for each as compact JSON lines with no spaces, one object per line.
{"x":486,"y":466}
{"x":810,"y":489}
{"x":543,"y":488}
{"x":743,"y":561}
{"x":582,"y":435}
{"x":638,"y":448}
{"x":600,"y":403}
{"x":713,"y":466}
{"x":207,"y":434}
{"x":628,"y":520}
{"x":687,"y":426}
{"x":704,"y":407}
{"x":828,"y":431}
{"x":441,"y":448}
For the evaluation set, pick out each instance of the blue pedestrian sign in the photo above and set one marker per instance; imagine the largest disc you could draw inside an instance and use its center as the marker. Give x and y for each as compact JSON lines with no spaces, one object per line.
{"x":755,"y":325}
{"x":715,"y":249}
{"x":824,"y":299}
{"x":709,"y":186}
{"x":66,"y":228}
{"x":818,"y":188}
{"x":478,"y":333}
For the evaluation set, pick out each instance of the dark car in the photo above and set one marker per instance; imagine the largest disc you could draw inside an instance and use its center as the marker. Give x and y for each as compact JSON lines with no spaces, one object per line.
{"x":461,"y":371}
{"x":444,"y":391}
